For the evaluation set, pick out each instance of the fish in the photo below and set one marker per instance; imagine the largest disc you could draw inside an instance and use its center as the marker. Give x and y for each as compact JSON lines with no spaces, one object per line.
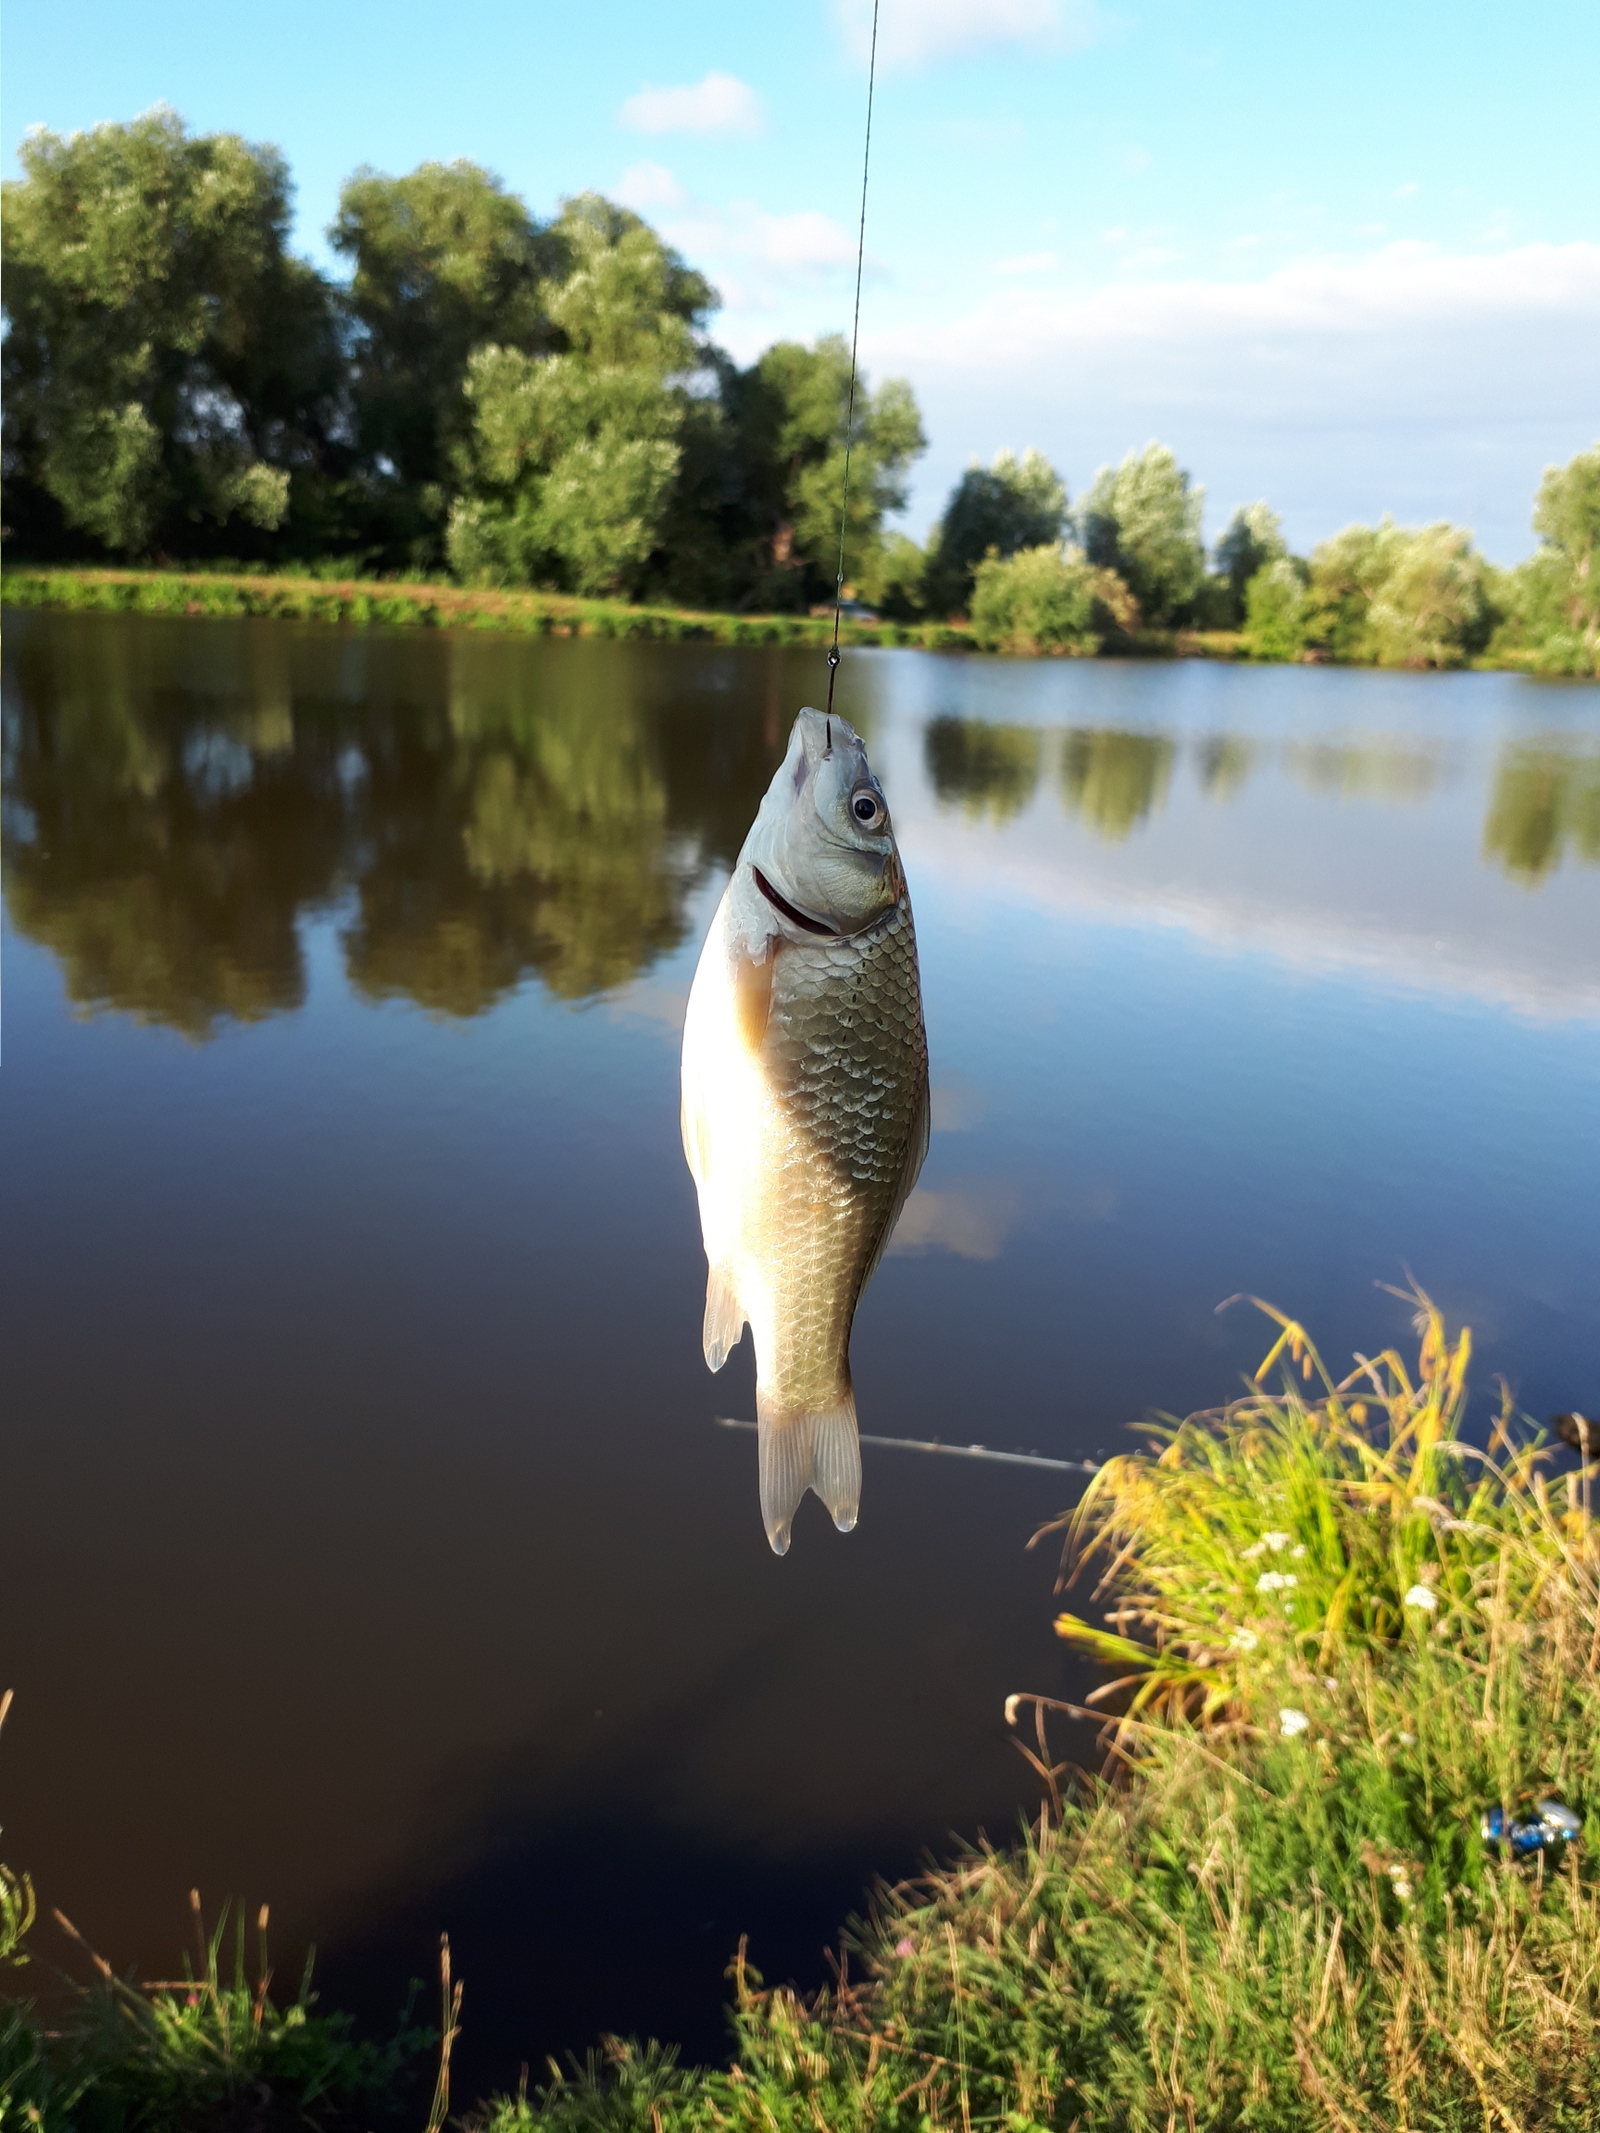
{"x":805,"y":1104}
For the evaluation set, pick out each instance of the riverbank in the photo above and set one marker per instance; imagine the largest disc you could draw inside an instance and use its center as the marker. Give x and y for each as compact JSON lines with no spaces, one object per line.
{"x":1345,"y":1643}
{"x":360,"y":602}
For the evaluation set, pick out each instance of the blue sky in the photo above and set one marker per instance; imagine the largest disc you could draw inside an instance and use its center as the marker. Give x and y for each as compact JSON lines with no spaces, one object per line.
{"x":1347,"y":259}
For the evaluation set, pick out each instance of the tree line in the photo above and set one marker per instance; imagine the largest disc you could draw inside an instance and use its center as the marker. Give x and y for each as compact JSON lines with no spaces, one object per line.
{"x":539,"y":403}
{"x":516,"y":401}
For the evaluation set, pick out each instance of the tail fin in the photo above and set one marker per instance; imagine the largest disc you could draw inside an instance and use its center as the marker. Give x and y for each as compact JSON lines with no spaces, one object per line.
{"x":798,"y":1452}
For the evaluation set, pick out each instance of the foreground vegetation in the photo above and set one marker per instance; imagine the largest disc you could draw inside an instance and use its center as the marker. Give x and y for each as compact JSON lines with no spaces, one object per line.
{"x":527,"y":405}
{"x":1340,"y":1635}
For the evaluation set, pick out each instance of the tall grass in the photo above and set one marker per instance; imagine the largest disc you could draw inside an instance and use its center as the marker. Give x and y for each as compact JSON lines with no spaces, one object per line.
{"x":1339,"y":1632}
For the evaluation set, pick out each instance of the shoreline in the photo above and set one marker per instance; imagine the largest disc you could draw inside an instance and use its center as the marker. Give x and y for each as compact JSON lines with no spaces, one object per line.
{"x":435,"y":604}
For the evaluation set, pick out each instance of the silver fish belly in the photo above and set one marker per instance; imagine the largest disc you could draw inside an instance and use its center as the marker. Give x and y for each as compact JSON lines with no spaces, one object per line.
{"x":805,"y":1105}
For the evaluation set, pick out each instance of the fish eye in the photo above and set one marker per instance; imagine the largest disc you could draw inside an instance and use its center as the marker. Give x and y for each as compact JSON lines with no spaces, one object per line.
{"x":864,"y":805}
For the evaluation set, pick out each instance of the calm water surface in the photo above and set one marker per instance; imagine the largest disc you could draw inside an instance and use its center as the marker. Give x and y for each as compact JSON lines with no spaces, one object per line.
{"x":371,"y":1547}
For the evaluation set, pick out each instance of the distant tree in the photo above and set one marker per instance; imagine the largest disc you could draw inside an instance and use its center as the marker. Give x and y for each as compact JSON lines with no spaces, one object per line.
{"x":997,"y":510}
{"x":1252,"y":538}
{"x":444,"y":259}
{"x":790,"y":411}
{"x":569,"y":463}
{"x":1049,"y":599}
{"x":171,"y":373}
{"x":1142,"y":520}
{"x":1275,"y":610}
{"x":1553,"y":599}
{"x":1398,"y":596}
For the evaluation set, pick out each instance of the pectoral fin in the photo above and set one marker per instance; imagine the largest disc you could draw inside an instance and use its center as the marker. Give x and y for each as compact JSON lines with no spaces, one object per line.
{"x":752,"y":995}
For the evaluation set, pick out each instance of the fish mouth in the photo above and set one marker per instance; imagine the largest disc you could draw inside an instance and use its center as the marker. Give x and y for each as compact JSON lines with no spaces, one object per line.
{"x":782,"y":903}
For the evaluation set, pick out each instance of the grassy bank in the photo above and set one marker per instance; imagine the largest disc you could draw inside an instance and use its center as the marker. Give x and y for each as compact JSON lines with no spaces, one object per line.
{"x":1338,"y":1636}
{"x":437,"y":606}
{"x":363,"y":601}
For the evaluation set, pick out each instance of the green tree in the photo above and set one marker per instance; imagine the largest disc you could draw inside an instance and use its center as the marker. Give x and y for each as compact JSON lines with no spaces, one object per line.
{"x":1400,"y":597}
{"x":1252,"y":539}
{"x":1048,"y":599}
{"x":568,"y":469}
{"x":1553,"y":623}
{"x":171,"y":373}
{"x":1142,"y":520}
{"x":790,"y":413}
{"x":997,"y":510}
{"x":1275,"y":610}
{"x":444,"y":260}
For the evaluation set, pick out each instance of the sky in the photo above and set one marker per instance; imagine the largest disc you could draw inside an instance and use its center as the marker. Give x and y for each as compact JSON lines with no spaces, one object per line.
{"x":1347,"y":259}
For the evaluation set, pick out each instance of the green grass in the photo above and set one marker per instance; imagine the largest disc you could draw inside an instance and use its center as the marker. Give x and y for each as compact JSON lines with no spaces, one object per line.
{"x":319,"y":598}
{"x":1336,"y":1632}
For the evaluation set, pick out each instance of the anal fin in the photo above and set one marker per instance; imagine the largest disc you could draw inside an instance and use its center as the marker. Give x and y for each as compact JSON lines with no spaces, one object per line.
{"x":724,"y":1318}
{"x":819,"y":1451}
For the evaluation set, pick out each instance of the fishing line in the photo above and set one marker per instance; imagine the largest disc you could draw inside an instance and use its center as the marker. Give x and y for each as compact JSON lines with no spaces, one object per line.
{"x":855,"y":336}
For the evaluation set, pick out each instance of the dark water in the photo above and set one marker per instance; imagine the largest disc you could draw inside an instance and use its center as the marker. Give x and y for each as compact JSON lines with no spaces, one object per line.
{"x":370,"y":1548}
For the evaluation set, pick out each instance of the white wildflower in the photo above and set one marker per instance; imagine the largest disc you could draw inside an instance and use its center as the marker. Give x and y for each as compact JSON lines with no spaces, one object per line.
{"x":1330,"y":1684}
{"x":1291,"y":1723}
{"x":1300,"y":1551}
{"x":1402,"y":1886}
{"x":1407,"y":1740}
{"x":1276,"y":1581}
{"x":1244,"y":1640}
{"x":1422,"y":1596}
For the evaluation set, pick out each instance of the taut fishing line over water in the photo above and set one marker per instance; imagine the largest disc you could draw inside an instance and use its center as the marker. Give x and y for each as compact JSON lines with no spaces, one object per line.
{"x":855,"y":336}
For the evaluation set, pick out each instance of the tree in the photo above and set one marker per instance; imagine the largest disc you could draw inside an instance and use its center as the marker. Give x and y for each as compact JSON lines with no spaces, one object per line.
{"x":1049,"y":599}
{"x":445,"y":260}
{"x":1274,"y":610}
{"x":1553,"y":624}
{"x":1252,"y":539}
{"x":570,"y":460}
{"x":170,"y":371}
{"x":790,"y":412}
{"x":1142,"y":520}
{"x":998,"y":510}
{"x":1398,"y":596}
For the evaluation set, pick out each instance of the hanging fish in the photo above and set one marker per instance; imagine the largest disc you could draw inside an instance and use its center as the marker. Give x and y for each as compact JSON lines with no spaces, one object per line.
{"x":805,"y":1104}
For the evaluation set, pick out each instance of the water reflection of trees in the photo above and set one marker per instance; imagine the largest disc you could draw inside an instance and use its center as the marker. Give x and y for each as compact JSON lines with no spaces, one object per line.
{"x":1225,"y":762}
{"x":987,"y":770}
{"x":1114,"y":779}
{"x":1545,"y":802}
{"x":163,"y":860}
{"x":542,"y":843}
{"x":1370,"y":770}
{"x":177,"y":798}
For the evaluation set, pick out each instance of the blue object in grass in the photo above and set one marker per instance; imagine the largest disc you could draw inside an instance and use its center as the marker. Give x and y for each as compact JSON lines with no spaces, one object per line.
{"x":1551,"y":1824}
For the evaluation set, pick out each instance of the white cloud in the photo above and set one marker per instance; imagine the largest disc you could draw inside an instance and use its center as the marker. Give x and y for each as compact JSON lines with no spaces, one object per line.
{"x":1028,"y":263}
{"x":911,"y":32}
{"x":753,"y":256}
{"x":719,"y":104}
{"x":646,"y":186}
{"x":1413,"y":379}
